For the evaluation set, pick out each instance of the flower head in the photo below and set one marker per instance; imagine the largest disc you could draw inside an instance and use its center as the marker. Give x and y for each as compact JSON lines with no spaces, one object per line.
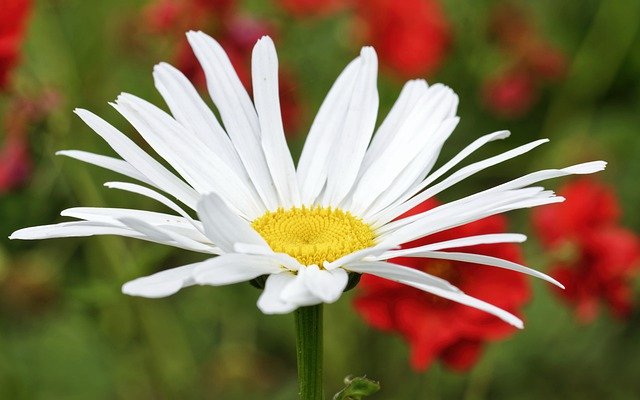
{"x":437,"y":328}
{"x":306,"y":228}
{"x":12,"y":27}
{"x":593,"y":255}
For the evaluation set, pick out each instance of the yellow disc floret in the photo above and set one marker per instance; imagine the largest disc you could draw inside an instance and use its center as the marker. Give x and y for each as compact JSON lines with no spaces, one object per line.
{"x":314,"y":235}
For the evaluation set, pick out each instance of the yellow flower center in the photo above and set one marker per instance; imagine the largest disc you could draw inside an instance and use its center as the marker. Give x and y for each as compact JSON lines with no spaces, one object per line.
{"x":314,"y":235}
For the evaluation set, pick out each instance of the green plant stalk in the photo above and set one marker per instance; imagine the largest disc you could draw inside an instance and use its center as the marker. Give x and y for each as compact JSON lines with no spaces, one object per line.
{"x":308,"y":322}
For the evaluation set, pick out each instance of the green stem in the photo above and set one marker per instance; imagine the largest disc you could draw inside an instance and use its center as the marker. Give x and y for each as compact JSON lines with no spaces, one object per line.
{"x":309,"y":352}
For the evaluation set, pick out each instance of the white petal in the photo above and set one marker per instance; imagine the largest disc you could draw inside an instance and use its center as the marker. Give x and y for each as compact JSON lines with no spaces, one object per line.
{"x":165,"y":236}
{"x":460,"y":242}
{"x":267,"y":100}
{"x":372,"y":251}
{"x":73,"y":229}
{"x":133,"y":188}
{"x":397,"y":272}
{"x":223,"y":226}
{"x":413,"y":135}
{"x":357,"y":128}
{"x":284,"y":259}
{"x":315,"y":158}
{"x":237,"y":112}
{"x":111,"y":216}
{"x":297,"y":292}
{"x":233,"y":268}
{"x":270,"y":301}
{"x":161,"y":284}
{"x":203,"y":169}
{"x":134,"y":155}
{"x":475,"y":145}
{"x":192,"y":112}
{"x":456,"y":177}
{"x":113,"y":164}
{"x":327,"y":285}
{"x":483,"y":260}
{"x":469,"y":301}
{"x":409,"y":95}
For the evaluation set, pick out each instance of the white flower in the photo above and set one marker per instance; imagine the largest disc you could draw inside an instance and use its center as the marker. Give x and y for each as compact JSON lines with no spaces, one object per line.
{"x":305,"y":227}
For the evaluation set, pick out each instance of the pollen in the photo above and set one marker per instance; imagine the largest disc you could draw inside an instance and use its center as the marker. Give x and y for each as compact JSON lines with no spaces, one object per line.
{"x":314,"y":235}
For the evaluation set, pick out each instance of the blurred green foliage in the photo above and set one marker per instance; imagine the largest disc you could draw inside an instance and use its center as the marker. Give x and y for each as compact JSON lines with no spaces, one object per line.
{"x":67,"y":332}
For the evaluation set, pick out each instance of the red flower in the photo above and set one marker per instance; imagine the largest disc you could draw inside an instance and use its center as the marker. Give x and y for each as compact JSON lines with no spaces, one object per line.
{"x":410,"y":36}
{"x":593,"y":256}
{"x":438,"y":328}
{"x":13,"y":19}
{"x":311,"y":8}
{"x":510,"y":95}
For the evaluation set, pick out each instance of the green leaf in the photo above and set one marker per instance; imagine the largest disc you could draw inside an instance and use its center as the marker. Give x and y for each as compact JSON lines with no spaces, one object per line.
{"x":357,"y":388}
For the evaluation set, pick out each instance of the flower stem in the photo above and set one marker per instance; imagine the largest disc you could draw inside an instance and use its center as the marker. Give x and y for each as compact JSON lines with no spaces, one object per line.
{"x":309,"y":351}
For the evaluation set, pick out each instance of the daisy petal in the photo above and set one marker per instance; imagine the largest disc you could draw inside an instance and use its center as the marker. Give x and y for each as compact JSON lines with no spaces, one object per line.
{"x":484,"y":260}
{"x":397,"y":272}
{"x":467,"y":300}
{"x":264,"y":69}
{"x":327,"y":285}
{"x":165,"y":236}
{"x":223,"y":226}
{"x":237,"y":112}
{"x":192,"y":112}
{"x":270,"y":301}
{"x":356,"y":131}
{"x":460,"y":242}
{"x":73,"y":229}
{"x":110,"y":163}
{"x":297,"y":292}
{"x":315,"y":158}
{"x":161,"y":284}
{"x":144,"y":163}
{"x":233,"y":268}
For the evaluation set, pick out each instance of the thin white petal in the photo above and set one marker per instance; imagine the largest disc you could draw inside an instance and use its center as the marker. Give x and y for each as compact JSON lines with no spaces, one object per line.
{"x":133,"y":188}
{"x":192,"y":112}
{"x":372,"y":251}
{"x":267,"y":101}
{"x":113,"y":164}
{"x":73,"y":229}
{"x":285,"y":259}
{"x":467,"y":300}
{"x":165,"y":236}
{"x":315,"y":158}
{"x":270,"y":301}
{"x":357,"y":129}
{"x":233,"y":268}
{"x":399,"y":272}
{"x":134,"y":155}
{"x":327,"y":285}
{"x":475,"y":145}
{"x":161,"y":284}
{"x":484,"y":260}
{"x":456,"y":177}
{"x":460,"y":242}
{"x":237,"y":112}
{"x":223,"y":226}
{"x":203,"y":169}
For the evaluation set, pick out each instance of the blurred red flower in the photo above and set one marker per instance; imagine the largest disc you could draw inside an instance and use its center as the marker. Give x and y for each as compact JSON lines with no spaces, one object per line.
{"x":594,"y":257}
{"x":511,"y":94}
{"x":236,"y":33}
{"x":438,"y":328}
{"x":312,"y":8}
{"x":13,"y":21}
{"x":532,"y":61}
{"x":411,"y":36}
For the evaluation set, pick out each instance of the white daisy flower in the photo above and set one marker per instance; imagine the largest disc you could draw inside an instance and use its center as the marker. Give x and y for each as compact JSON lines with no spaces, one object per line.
{"x":306,"y":228}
